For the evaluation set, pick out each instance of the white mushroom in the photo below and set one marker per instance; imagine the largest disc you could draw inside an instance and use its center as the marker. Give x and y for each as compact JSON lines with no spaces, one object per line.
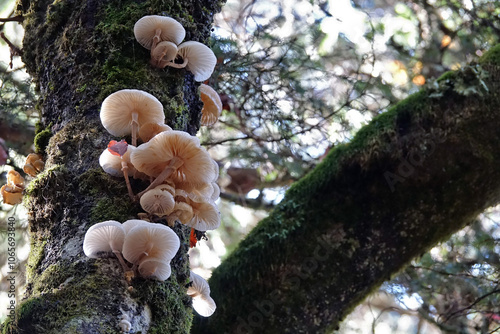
{"x":197,"y":58}
{"x":124,"y":111}
{"x":150,"y":241}
{"x":153,"y":29}
{"x":200,"y":292}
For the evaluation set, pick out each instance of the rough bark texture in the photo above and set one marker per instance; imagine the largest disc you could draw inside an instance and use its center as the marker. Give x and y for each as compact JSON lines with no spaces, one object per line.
{"x":409,"y":179}
{"x":79,"y":52}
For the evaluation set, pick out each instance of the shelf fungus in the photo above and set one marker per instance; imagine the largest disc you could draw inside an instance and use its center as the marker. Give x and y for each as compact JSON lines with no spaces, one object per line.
{"x":212,"y":105}
{"x":124,"y":111}
{"x":34,"y":164}
{"x":199,"y":291}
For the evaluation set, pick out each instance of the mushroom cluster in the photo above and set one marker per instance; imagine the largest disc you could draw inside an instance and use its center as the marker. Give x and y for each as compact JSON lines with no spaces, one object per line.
{"x":183,"y":175}
{"x":148,"y":247}
{"x":34,"y":164}
{"x":163,"y":36}
{"x":12,"y":191}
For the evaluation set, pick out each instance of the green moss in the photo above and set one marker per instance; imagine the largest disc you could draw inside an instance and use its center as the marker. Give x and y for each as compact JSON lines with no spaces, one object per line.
{"x":112,"y":209}
{"x":40,"y":181}
{"x":42,"y":138}
{"x":68,"y":292}
{"x":36,"y":256}
{"x":491,"y":57}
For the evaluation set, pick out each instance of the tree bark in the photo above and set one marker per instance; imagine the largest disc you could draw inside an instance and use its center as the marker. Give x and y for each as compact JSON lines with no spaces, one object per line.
{"x":413,"y":176}
{"x":79,"y":52}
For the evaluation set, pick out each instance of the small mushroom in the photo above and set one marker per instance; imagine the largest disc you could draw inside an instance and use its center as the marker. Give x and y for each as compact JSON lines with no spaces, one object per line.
{"x":34,"y":164}
{"x":151,"y":30}
{"x":150,"y":241}
{"x":149,"y":130}
{"x":10,"y":195}
{"x":124,"y":111}
{"x":164,"y":53}
{"x":212,"y":105}
{"x":200,"y":292}
{"x":206,"y":216}
{"x":197,"y":58}
{"x":158,"y":202}
{"x":182,"y":212}
{"x":155,"y":268}
{"x":15,"y":180}
{"x":107,"y":236}
{"x":115,"y":160}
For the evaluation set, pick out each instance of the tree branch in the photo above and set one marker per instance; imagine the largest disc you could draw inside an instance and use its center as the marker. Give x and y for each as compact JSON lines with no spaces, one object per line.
{"x":400,"y":186}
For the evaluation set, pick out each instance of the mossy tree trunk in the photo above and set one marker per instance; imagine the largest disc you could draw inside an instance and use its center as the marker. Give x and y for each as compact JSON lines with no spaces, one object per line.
{"x":79,"y":52}
{"x":407,"y":180}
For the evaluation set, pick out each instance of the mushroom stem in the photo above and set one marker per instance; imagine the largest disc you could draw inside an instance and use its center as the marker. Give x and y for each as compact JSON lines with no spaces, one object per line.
{"x":122,"y":261}
{"x":127,"y":181}
{"x":135,"y":128}
{"x":156,"y":39}
{"x":174,"y":164}
{"x":172,"y":64}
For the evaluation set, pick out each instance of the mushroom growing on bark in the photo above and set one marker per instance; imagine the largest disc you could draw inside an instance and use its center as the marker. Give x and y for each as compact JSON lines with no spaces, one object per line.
{"x":107,"y":236}
{"x":158,"y":202}
{"x":164,"y":53}
{"x":115,"y":160}
{"x":124,"y":111}
{"x":212,"y":105}
{"x":175,"y":155}
{"x":155,"y":268}
{"x":200,"y":292}
{"x":151,"y":30}
{"x":34,"y":164}
{"x":150,"y":241}
{"x":197,"y":58}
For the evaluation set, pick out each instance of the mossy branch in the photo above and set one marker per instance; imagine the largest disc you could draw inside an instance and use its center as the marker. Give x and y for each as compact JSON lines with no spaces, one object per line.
{"x":409,"y":179}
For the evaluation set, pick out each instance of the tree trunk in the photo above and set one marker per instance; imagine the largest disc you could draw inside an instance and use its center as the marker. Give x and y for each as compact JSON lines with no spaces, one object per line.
{"x":78,"y":53}
{"x":409,"y":179}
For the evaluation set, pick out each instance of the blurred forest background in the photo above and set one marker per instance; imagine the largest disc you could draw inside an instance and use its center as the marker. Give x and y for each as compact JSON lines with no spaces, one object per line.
{"x":297,"y":77}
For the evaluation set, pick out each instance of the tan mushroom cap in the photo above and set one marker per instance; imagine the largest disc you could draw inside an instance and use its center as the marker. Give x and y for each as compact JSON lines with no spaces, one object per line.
{"x":164,"y":53}
{"x":107,"y":236}
{"x":177,"y":150}
{"x":212,"y":105}
{"x":206,"y":216}
{"x":149,"y":130}
{"x":15,"y":179}
{"x":150,"y":241}
{"x":120,"y":109}
{"x":155,"y":268}
{"x":10,"y":195}
{"x":112,"y":164}
{"x":200,"y":292}
{"x":200,"y":59}
{"x":146,"y":28}
{"x":34,"y":164}
{"x":182,"y":212}
{"x":158,"y":202}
